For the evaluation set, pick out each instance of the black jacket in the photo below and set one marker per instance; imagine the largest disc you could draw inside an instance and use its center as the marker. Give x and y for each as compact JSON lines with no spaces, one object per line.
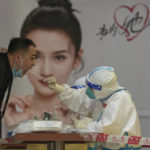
{"x":6,"y":79}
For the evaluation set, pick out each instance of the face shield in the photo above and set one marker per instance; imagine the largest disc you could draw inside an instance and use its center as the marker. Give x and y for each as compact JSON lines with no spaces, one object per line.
{"x":89,"y":90}
{"x":96,"y":79}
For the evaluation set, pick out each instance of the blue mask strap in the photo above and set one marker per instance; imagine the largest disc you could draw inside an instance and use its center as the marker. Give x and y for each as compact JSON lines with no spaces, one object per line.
{"x":78,"y":86}
{"x":94,"y":86}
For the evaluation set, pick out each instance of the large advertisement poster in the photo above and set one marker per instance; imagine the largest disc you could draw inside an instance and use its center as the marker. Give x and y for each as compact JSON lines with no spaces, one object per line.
{"x":115,"y":33}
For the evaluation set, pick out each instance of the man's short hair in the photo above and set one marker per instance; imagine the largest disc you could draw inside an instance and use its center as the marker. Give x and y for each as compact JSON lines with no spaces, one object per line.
{"x":19,"y":44}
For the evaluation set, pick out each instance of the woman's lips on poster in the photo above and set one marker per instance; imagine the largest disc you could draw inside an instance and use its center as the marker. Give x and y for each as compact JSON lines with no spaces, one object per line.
{"x":44,"y":83}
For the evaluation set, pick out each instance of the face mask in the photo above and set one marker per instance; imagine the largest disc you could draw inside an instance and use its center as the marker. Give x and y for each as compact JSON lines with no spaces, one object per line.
{"x":90,"y":93}
{"x":17,"y":73}
{"x":91,"y":86}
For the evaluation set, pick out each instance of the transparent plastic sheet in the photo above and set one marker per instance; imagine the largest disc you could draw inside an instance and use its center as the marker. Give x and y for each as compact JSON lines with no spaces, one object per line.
{"x":36,"y":126}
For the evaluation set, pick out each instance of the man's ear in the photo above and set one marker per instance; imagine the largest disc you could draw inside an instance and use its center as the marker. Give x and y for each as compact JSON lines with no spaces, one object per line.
{"x":17,"y":57}
{"x":78,"y":59}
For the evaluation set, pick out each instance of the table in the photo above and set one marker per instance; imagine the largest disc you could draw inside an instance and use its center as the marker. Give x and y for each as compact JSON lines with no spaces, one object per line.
{"x":55,"y":140}
{"x":47,"y":136}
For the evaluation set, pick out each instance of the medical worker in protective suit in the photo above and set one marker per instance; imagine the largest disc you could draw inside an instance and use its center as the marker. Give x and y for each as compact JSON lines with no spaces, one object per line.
{"x":99,"y":96}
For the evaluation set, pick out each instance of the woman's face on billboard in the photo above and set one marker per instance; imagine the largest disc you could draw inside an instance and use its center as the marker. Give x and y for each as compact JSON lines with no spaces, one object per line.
{"x":56,"y":58}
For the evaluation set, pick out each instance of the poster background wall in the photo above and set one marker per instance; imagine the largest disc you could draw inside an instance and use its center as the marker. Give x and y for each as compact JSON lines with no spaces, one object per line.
{"x":105,"y":42}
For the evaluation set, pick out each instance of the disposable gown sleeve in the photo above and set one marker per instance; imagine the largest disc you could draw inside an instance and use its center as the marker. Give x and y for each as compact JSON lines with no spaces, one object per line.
{"x":77,"y":100}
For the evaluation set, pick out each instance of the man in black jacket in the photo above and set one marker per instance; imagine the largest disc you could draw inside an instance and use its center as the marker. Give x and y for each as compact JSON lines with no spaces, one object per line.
{"x":19,"y":58}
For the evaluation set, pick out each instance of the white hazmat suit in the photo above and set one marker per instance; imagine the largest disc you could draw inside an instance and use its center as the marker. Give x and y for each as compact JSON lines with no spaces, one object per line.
{"x":98,"y":95}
